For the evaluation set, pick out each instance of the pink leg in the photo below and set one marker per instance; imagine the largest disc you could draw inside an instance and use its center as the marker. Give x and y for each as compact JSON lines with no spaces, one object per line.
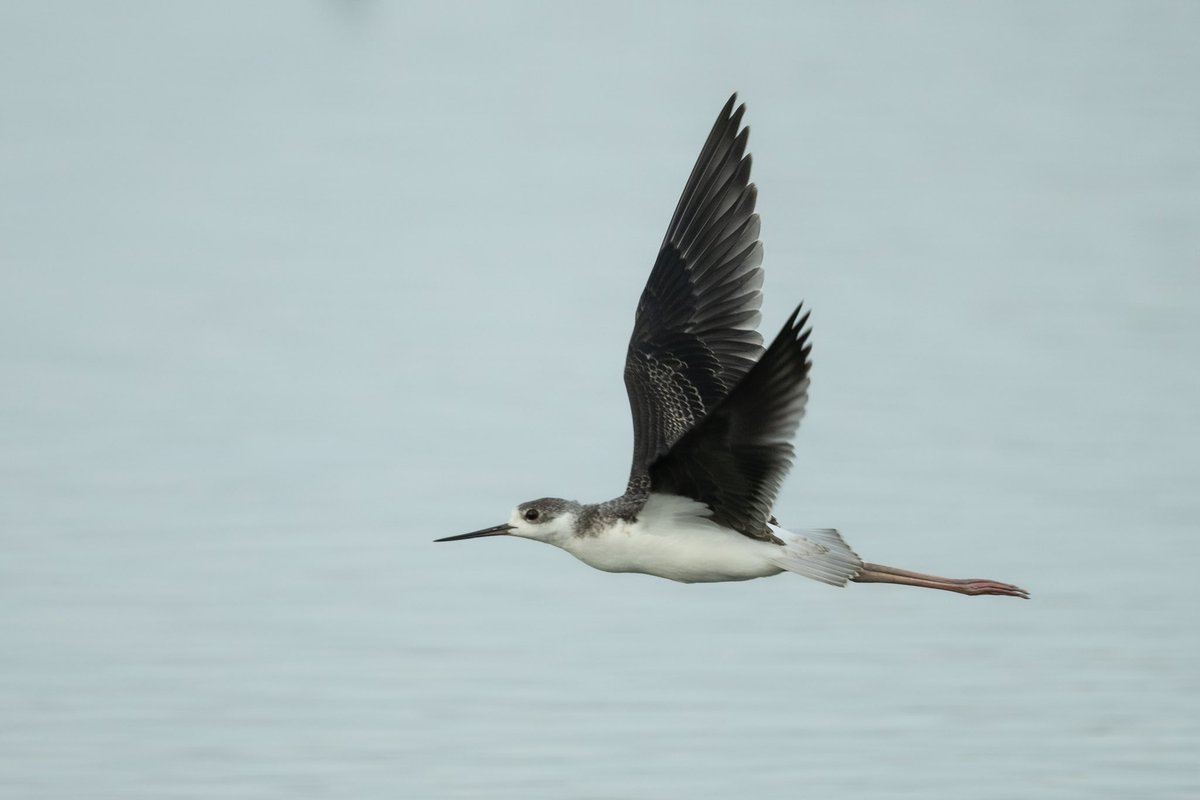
{"x":878,"y":573}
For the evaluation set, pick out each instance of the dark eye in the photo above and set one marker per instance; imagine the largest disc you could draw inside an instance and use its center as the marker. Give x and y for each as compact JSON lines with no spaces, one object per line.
{"x":532,"y":515}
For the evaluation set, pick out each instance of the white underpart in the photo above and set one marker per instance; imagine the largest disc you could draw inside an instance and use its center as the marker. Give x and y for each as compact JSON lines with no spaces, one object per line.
{"x":674,"y":538}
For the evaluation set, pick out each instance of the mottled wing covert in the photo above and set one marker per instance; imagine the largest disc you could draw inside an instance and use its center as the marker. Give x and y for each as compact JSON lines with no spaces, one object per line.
{"x":736,"y":457}
{"x":695,"y":334}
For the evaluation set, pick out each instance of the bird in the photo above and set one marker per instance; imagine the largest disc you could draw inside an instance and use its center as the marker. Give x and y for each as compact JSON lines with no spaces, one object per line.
{"x":714,"y":413}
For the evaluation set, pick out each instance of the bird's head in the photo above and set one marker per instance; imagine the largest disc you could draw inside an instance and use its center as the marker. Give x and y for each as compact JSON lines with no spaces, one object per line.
{"x":549,"y":520}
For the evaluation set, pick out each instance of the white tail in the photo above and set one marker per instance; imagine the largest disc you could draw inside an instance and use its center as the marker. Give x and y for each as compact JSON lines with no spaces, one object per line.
{"x":818,"y":553}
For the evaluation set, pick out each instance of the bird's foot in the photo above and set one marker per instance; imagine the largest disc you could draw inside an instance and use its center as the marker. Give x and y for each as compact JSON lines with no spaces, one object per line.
{"x":976,"y":586}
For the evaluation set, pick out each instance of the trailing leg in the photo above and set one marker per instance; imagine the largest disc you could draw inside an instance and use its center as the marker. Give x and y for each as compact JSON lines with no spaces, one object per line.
{"x":878,"y":573}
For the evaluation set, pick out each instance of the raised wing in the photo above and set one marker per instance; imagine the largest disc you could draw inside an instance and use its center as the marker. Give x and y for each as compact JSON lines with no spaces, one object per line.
{"x":695,"y":334}
{"x":736,"y":457}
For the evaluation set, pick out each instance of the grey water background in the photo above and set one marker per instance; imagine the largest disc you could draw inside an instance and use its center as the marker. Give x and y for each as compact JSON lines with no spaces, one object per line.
{"x":288,"y":290}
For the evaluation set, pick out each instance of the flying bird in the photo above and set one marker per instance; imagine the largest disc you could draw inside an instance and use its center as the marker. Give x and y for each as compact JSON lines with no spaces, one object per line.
{"x":714,"y":413}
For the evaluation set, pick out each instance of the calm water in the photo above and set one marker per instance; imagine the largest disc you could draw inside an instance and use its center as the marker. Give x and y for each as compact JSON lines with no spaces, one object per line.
{"x":287,"y":293}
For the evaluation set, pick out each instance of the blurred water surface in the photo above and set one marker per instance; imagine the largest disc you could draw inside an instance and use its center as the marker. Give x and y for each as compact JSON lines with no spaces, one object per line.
{"x":288,"y":290}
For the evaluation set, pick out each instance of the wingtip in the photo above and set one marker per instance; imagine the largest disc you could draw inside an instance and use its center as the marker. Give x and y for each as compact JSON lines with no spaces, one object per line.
{"x":734,"y":111}
{"x":733,"y":101}
{"x":797,"y":325}
{"x":728,"y":111}
{"x":792,"y":324}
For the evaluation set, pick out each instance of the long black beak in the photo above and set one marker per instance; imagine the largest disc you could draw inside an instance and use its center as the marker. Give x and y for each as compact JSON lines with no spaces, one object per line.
{"x":499,"y":530}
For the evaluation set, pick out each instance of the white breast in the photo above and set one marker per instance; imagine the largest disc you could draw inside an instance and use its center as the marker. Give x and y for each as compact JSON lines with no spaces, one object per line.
{"x":673,"y":538}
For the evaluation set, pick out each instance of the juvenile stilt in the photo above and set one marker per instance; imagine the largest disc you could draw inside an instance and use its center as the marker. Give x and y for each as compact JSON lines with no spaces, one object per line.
{"x":714,"y":413}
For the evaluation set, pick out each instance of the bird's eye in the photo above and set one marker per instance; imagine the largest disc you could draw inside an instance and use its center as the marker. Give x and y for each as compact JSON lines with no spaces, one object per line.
{"x":532,"y":515}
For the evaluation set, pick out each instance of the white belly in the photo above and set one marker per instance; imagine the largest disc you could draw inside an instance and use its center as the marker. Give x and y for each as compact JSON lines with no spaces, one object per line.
{"x":672,"y":538}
